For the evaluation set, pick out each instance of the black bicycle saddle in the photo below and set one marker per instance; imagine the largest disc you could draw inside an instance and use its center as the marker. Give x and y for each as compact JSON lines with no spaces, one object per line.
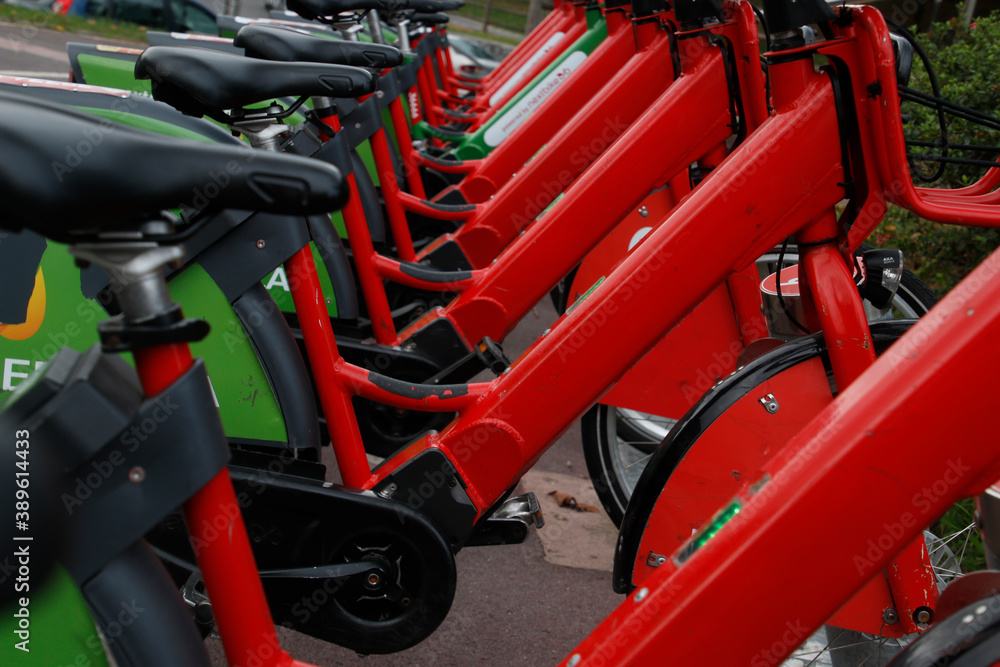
{"x":199,"y":82}
{"x":270,"y":42}
{"x":436,"y":18}
{"x":317,"y":9}
{"x":67,"y":174}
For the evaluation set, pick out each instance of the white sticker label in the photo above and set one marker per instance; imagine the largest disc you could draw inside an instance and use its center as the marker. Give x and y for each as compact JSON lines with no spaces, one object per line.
{"x":525,"y":68}
{"x":502,"y":127}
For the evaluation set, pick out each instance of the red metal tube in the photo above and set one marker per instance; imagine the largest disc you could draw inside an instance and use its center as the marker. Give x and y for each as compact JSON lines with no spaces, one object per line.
{"x":325,"y":360}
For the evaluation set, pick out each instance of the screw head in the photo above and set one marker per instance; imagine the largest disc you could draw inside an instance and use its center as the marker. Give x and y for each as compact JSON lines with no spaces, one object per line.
{"x":923,"y":616}
{"x":574,"y":660}
{"x":890,"y":616}
{"x":136,"y":475}
{"x":641,"y":595}
{"x":643,"y":211}
{"x":260,"y":244}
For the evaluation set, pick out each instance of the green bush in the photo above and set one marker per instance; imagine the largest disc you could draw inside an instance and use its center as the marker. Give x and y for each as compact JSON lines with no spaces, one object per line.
{"x":966,"y":60}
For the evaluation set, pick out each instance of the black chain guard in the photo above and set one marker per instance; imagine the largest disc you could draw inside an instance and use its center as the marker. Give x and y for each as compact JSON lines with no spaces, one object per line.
{"x":296,"y":523}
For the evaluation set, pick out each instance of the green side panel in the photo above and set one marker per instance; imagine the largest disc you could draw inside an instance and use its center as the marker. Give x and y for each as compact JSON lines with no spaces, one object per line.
{"x":276,"y":284}
{"x":480,"y":143}
{"x":67,"y":318}
{"x":59,"y":629}
{"x":365,"y":152}
{"x":338,"y":223}
{"x":246,"y":400}
{"x":389,"y":127}
{"x":146,"y":123}
{"x":113,"y":73}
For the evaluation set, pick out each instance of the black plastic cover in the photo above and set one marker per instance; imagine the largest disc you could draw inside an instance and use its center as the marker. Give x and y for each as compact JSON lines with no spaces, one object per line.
{"x":644,"y":8}
{"x":362,"y":122}
{"x":696,"y":10}
{"x":785,"y":15}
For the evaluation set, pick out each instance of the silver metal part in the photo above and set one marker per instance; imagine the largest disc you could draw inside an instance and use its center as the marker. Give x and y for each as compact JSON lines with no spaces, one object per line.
{"x":655,"y":560}
{"x":643,"y":211}
{"x":136,"y":270}
{"x":403,"y":32}
{"x":262,"y":133}
{"x":323,"y":102}
{"x":193,"y":591}
{"x":988,"y":505}
{"x":890,"y":616}
{"x":769,"y":402}
{"x":350,"y":31}
{"x":521,"y":508}
{"x":375,"y":27}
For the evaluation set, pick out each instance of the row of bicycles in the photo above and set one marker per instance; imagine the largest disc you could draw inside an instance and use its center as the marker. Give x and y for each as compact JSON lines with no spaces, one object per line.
{"x":774,"y":413}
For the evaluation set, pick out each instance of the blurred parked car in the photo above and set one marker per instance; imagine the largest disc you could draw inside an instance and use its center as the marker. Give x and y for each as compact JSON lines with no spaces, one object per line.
{"x":172,"y":15}
{"x":470,"y":57}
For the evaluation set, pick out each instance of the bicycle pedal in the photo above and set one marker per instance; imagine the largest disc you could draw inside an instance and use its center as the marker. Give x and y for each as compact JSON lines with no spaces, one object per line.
{"x":492,"y":355}
{"x":510,"y":523}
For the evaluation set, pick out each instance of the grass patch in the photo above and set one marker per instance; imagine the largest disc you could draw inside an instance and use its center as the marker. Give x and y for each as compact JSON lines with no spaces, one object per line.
{"x":128,"y":32}
{"x":511,"y":16}
{"x":482,"y":35}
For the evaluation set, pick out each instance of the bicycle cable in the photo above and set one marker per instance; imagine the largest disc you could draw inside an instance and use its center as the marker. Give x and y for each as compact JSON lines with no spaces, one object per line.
{"x":936,"y":90}
{"x":777,"y":287}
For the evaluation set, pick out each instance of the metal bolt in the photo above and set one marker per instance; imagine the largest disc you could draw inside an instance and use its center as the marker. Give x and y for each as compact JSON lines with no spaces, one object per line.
{"x":357,"y":126}
{"x":969,"y":312}
{"x":655,"y":560}
{"x":405,"y":602}
{"x":923,"y":616}
{"x":380,"y":94}
{"x":643,"y":211}
{"x":260,"y":244}
{"x":641,"y":595}
{"x":890,"y":616}
{"x":769,"y":403}
{"x":574,"y":660}
{"x":136,"y":475}
{"x":374,"y":579}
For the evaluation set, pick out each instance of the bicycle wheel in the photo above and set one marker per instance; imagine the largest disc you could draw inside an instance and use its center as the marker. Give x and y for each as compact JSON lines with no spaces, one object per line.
{"x":721,"y":446}
{"x":617,"y":442}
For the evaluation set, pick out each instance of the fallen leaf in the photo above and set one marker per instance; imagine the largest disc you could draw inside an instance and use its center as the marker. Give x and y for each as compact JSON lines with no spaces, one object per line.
{"x":566,"y":500}
{"x":563,"y":499}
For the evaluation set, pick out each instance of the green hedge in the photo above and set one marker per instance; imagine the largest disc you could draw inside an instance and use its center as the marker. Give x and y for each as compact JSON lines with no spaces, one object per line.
{"x":966,"y":60}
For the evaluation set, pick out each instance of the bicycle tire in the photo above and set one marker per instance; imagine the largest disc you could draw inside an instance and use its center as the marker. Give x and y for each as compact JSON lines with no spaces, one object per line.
{"x":617,"y":442}
{"x":139,"y":611}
